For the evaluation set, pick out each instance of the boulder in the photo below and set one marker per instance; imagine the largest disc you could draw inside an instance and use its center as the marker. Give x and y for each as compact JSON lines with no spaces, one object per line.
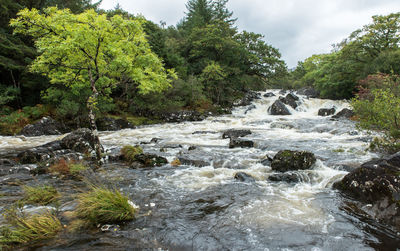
{"x":287,"y":160}
{"x":111,"y":124}
{"x":235,"y":142}
{"x":251,"y":107}
{"x":40,"y":153}
{"x":309,"y":92}
{"x":248,"y":98}
{"x":80,"y":140}
{"x":278,"y":108}
{"x":290,"y":99}
{"x":344,"y":113}
{"x":326,"y":111}
{"x":233,"y":133}
{"x":193,"y":162}
{"x":181,"y":116}
{"x":244,"y":177}
{"x":268,"y":95}
{"x":45,"y":126}
{"x":150,"y":160}
{"x":377,"y":183}
{"x":285,"y":177}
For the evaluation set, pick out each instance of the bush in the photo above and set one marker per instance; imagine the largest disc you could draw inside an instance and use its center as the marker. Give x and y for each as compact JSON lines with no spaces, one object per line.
{"x":28,"y":229}
{"x":129,"y":152}
{"x":101,"y":205}
{"x":41,"y":195}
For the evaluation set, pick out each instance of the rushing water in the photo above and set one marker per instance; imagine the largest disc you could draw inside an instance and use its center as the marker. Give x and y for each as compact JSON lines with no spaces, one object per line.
{"x":205,"y":208}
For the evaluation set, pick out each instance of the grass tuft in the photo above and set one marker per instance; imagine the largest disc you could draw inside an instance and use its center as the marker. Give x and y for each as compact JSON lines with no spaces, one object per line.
{"x":41,"y":195}
{"x":129,"y":152}
{"x":67,"y":168}
{"x":29,"y":229}
{"x":102,"y":205}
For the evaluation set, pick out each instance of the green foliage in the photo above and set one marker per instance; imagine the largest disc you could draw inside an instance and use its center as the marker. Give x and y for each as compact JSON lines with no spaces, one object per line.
{"x":41,"y":195}
{"x":129,"y":152}
{"x":65,"y":168}
{"x":101,"y":205}
{"x":28,"y":229}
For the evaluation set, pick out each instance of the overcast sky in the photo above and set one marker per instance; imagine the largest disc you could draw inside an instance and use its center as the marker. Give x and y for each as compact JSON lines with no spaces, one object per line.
{"x":298,"y":28}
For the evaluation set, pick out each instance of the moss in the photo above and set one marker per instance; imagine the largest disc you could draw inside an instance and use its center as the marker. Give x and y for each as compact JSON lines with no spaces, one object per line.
{"x":339,"y":150}
{"x":41,"y":195}
{"x":176,"y":162}
{"x":101,"y":205}
{"x":28,"y":229}
{"x":129,"y":152}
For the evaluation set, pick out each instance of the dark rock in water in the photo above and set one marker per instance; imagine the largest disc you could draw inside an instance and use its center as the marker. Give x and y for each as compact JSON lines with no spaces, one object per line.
{"x":111,"y":124}
{"x":193,"y":162}
{"x":345,"y":113}
{"x":287,"y":160}
{"x":309,"y":92}
{"x":326,"y":111}
{"x":41,"y":153}
{"x":80,"y":140}
{"x":155,"y":140}
{"x":269,"y":94}
{"x":285,"y":177}
{"x":150,"y":160}
{"x":248,"y":98}
{"x":235,"y":142}
{"x":282,"y":92}
{"x":204,"y":132}
{"x":376,"y":182}
{"x":278,"y":108}
{"x":290,"y":99}
{"x":181,"y":116}
{"x":45,"y":126}
{"x":267,"y":161}
{"x":244,"y":177}
{"x":251,"y":107}
{"x":233,"y":133}
{"x":7,"y":162}
{"x":191,"y":148}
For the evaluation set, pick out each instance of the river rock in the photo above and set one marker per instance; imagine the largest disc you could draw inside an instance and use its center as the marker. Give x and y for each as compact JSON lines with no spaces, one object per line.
{"x":376,"y":182}
{"x":235,"y":142}
{"x":181,"y":116}
{"x":45,"y":126}
{"x":244,"y":177}
{"x":248,"y":98}
{"x":80,"y":140}
{"x":233,"y":133}
{"x":111,"y":124}
{"x":193,"y":162}
{"x":290,"y":99}
{"x":278,"y":108}
{"x":268,"y":95}
{"x":266,"y":161}
{"x":287,"y":160}
{"x":284,"y":177}
{"x":40,"y":153}
{"x":251,"y":107}
{"x":344,"y":113}
{"x":150,"y":160}
{"x":309,"y":92}
{"x":326,"y":111}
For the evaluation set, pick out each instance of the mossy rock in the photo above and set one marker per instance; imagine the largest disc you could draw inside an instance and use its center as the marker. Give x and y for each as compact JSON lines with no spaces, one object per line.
{"x":129,"y":153}
{"x":287,"y":160}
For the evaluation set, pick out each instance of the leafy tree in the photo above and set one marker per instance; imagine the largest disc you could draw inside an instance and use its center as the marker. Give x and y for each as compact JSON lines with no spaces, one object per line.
{"x":88,"y":50}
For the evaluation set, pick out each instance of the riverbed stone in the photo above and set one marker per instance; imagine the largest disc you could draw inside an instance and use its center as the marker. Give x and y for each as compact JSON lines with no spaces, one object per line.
{"x":287,"y":160}
{"x":278,"y":108}
{"x":243,"y":143}
{"x":376,"y":182}
{"x":248,"y":98}
{"x":344,"y":113}
{"x":186,"y":160}
{"x":310,"y":92}
{"x":290,"y":99}
{"x":268,"y":95}
{"x":80,"y":140}
{"x":244,"y":177}
{"x":285,"y":177}
{"x":326,"y":111}
{"x":151,"y":160}
{"x":234,"y":133}
{"x":45,"y":126}
{"x":111,"y":124}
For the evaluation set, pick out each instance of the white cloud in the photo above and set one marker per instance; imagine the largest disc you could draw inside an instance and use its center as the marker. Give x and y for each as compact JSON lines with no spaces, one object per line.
{"x":298,"y":28}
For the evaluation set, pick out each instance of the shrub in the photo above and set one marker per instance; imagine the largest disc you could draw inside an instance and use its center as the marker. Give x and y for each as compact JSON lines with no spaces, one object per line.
{"x":129,"y":152}
{"x":28,"y":229}
{"x":42,"y":195}
{"x":101,"y":205}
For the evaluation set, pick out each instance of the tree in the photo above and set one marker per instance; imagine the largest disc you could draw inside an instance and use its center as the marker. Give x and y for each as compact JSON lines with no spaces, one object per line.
{"x":89,"y":50}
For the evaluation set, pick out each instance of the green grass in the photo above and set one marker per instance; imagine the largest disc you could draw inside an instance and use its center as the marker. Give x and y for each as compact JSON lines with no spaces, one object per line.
{"x":129,"y":152}
{"x":77,"y":168}
{"x":30,"y":229}
{"x":101,"y":205}
{"x":41,"y":195}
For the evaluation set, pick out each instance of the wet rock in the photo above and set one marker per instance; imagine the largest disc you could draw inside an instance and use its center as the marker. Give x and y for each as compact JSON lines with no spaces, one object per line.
{"x":7,"y":162}
{"x":193,"y":162}
{"x":282,"y":125}
{"x":233,"y":133}
{"x":285,"y":177}
{"x":235,"y":142}
{"x":267,"y":161}
{"x":204,"y":132}
{"x":248,"y":98}
{"x":376,"y":182}
{"x":80,"y":140}
{"x":191,"y":148}
{"x":181,"y":116}
{"x":15,"y":169}
{"x":278,"y":108}
{"x":251,"y":107}
{"x":155,"y":140}
{"x":268,"y":95}
{"x":40,"y":153}
{"x":111,"y":124}
{"x":45,"y":126}
{"x":244,"y":177}
{"x":309,"y":92}
{"x":344,"y":113}
{"x":287,"y":160}
{"x":326,"y":111}
{"x":290,"y":99}
{"x":282,"y":92}
{"x":151,"y":160}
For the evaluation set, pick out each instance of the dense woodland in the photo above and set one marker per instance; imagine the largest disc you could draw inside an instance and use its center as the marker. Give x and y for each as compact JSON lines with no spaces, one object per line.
{"x":211,"y":65}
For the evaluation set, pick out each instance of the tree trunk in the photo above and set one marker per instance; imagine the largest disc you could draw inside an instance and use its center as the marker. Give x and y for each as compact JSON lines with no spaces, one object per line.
{"x":91,"y":105}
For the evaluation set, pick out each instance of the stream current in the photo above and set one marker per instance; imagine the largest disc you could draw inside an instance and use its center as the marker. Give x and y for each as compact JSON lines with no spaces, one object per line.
{"x":205,"y":208}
